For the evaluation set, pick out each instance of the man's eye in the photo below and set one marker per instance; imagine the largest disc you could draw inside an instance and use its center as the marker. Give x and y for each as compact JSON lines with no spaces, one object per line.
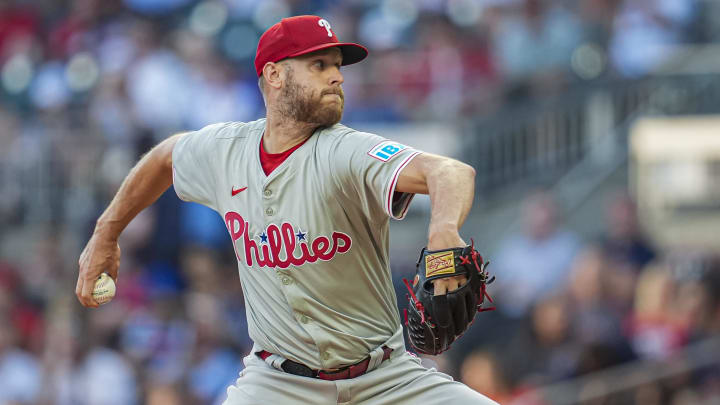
{"x":320,"y":64}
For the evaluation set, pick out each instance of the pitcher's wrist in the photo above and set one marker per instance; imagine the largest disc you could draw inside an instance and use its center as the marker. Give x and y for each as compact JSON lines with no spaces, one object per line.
{"x":106,"y":230}
{"x":444,"y":236}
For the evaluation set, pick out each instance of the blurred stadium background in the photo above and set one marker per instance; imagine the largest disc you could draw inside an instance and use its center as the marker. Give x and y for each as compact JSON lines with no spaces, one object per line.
{"x":590,"y":123}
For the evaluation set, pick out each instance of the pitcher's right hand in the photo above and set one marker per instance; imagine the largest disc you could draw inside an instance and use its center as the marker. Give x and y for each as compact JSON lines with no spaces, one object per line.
{"x":100,"y":255}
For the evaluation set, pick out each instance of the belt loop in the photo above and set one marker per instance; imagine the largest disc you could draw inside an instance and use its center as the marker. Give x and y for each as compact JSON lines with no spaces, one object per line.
{"x":376,"y":357}
{"x":276,"y":361}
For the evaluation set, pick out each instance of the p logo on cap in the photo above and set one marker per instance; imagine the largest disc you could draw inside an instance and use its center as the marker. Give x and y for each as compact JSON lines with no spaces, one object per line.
{"x":300,"y":35}
{"x":323,"y":23}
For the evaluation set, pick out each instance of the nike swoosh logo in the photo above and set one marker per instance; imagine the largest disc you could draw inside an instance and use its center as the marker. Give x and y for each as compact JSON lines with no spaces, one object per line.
{"x":234,"y":192}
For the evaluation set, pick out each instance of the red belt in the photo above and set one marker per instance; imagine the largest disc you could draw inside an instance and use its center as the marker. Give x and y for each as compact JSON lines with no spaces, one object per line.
{"x":344,"y":373}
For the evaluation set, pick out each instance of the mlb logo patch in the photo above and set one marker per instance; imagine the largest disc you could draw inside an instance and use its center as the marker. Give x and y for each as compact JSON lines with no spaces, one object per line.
{"x":386,"y":150}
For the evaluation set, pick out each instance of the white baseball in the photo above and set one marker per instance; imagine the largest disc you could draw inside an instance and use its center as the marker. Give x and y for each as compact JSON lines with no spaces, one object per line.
{"x":104,"y":290}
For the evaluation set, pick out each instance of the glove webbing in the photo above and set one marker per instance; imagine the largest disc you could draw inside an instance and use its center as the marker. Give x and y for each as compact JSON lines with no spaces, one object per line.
{"x":483,"y":276}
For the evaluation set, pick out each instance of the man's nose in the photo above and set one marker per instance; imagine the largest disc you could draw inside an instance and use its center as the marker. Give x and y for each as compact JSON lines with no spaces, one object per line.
{"x":336,"y":78}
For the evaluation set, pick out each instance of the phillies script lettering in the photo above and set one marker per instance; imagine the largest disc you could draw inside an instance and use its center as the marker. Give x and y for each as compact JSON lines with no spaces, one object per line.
{"x":278,"y":243}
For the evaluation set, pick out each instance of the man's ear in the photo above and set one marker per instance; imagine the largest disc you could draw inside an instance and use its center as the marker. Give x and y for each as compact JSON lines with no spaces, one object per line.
{"x":273,"y":74}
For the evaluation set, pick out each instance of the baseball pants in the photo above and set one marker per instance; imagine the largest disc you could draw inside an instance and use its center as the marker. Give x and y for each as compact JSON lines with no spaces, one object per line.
{"x":400,"y":380}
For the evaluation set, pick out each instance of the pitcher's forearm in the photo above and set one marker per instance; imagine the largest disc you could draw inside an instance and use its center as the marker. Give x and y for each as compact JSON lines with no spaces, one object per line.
{"x":145,"y":183}
{"x":451,"y":188}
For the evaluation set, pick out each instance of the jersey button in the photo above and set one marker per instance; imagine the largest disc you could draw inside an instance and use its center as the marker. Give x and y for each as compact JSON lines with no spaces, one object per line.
{"x":269,"y":212}
{"x":304,"y":319}
{"x":326,"y":356}
{"x":286,"y":280}
{"x":267,"y":193}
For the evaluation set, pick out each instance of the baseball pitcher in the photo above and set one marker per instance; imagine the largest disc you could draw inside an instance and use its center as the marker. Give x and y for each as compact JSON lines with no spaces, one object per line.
{"x":307,"y":203}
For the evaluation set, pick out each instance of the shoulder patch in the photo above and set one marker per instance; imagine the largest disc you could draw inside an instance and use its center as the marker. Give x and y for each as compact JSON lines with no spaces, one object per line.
{"x":386,"y":150}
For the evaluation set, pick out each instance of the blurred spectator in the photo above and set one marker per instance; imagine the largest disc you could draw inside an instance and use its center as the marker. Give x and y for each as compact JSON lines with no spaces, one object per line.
{"x":163,"y":394}
{"x":159,"y":71}
{"x":482,"y":372}
{"x":19,"y":27}
{"x":543,"y":350}
{"x":624,"y":242}
{"x":693,"y":308}
{"x":593,"y":320}
{"x":111,"y":112}
{"x":652,"y":329}
{"x":597,"y":16}
{"x":20,"y":374}
{"x":160,"y":338}
{"x":74,"y":33}
{"x":597,"y":325}
{"x":645,"y":32}
{"x":23,"y":316}
{"x":536,"y":40}
{"x":105,"y":377}
{"x":535,"y":263}
{"x":215,"y":366}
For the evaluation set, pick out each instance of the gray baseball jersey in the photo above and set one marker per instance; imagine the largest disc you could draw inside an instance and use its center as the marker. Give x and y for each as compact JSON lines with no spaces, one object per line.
{"x":311,"y":238}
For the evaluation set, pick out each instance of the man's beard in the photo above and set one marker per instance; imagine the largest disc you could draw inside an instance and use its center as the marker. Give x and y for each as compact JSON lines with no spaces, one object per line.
{"x":303,"y":105}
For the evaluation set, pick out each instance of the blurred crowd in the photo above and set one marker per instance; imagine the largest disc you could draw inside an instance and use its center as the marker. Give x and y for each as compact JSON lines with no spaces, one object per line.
{"x":87,"y":86}
{"x":174,"y":64}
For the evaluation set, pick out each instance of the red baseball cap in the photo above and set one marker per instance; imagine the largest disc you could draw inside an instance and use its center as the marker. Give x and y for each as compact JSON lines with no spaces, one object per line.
{"x":295,"y":36}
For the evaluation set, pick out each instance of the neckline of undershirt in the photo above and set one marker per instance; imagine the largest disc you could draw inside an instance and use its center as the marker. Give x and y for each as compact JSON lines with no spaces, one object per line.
{"x":270,"y":161}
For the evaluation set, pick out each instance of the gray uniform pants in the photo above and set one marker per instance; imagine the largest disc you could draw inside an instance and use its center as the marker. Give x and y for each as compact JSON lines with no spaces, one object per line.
{"x":400,"y":380}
